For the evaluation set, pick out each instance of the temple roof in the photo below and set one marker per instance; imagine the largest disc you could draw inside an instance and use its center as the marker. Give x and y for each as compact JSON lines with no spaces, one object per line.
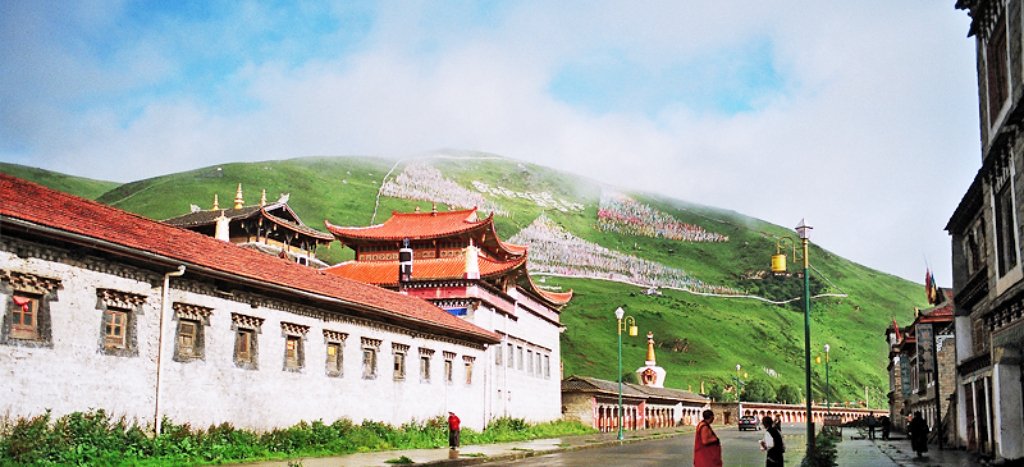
{"x":428,"y":226}
{"x":28,"y":206}
{"x":588,"y":384}
{"x":414,"y":225}
{"x":385,"y":273}
{"x":209,"y":217}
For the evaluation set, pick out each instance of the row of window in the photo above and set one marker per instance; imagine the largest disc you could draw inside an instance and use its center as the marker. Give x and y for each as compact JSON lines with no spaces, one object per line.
{"x":534,"y":362}
{"x":118,"y":323}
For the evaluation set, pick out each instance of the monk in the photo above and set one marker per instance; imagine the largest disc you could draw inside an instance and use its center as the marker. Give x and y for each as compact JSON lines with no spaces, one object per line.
{"x":707,"y":449}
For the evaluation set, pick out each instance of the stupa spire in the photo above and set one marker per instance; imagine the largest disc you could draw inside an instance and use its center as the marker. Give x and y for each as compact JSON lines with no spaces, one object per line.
{"x":216,"y":203}
{"x":239,"y":201}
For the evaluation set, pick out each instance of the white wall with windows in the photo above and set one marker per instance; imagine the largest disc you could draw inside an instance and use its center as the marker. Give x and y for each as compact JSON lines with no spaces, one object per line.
{"x":92,"y":335}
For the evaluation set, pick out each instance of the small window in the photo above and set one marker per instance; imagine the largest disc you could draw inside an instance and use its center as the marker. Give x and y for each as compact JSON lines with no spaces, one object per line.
{"x":115,"y":325}
{"x":537,"y":365}
{"x":399,"y":370}
{"x":424,"y":368}
{"x":519,"y":350}
{"x":293,"y":352}
{"x":334,"y":359}
{"x":369,"y":363}
{"x":244,"y":346}
{"x":24,"y":309}
{"x":469,"y":372}
{"x":497,"y":355}
{"x":510,"y":356}
{"x":188,"y":339}
{"x":547,"y":366}
{"x":448,"y":371}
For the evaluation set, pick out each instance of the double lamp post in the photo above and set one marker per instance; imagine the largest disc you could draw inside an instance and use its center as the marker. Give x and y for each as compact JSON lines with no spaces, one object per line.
{"x":619,"y":315}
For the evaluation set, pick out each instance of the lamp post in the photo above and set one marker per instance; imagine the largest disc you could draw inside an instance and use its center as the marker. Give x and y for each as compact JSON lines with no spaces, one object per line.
{"x":779,"y":266}
{"x":619,"y":315}
{"x":828,"y":392}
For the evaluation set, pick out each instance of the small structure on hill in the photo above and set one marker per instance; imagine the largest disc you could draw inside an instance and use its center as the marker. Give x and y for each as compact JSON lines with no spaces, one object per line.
{"x":651,"y":374}
{"x":271,"y":228}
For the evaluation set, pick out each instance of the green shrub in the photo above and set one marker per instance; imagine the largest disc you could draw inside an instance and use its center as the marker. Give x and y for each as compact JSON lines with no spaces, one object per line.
{"x":824,"y":453}
{"x":95,"y":438}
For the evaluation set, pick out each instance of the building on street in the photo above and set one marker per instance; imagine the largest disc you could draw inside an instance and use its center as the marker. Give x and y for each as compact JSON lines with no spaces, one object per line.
{"x":914,"y":352}
{"x":988,"y":279}
{"x":104,"y":309}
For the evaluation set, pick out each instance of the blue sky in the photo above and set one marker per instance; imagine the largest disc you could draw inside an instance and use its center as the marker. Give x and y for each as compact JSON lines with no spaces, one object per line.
{"x":860,"y":116}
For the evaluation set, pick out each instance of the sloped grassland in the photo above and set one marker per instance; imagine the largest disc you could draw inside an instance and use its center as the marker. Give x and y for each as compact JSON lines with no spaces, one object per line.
{"x":700,"y":339}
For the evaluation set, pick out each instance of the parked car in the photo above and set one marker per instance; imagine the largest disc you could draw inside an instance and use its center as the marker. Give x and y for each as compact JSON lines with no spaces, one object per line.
{"x":749,"y":423}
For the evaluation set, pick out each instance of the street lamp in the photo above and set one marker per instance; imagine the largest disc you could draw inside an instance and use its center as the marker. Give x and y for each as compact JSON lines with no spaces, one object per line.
{"x":828,"y":392}
{"x":619,"y":315}
{"x":779,"y":266}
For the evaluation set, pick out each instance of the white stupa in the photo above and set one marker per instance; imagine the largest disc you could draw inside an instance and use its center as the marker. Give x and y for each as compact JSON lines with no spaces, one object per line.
{"x":651,"y":374}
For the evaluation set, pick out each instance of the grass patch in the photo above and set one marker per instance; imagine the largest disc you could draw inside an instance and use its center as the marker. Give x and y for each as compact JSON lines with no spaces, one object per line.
{"x":96,"y":438}
{"x":400,"y":460}
{"x":473,"y":454}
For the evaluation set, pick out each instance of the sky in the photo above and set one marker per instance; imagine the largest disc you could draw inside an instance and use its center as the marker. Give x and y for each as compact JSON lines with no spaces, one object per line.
{"x":861,"y":117}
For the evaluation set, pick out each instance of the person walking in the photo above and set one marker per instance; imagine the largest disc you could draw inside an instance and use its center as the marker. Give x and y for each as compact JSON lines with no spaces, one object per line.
{"x":918,"y":431}
{"x":707,"y":449}
{"x":872,"y":423}
{"x":772,"y":443}
{"x":453,"y":431}
{"x":886,"y":426}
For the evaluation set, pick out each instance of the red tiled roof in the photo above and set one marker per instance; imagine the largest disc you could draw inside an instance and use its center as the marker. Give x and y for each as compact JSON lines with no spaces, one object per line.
{"x":33,"y":203}
{"x":386,"y":272}
{"x":413,"y":225}
{"x":555,"y":298}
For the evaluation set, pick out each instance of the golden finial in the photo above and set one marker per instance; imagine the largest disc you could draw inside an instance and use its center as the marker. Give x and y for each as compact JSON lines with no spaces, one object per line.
{"x":239,"y":202}
{"x":433,"y":208}
{"x":216,"y":204}
{"x":263,"y":197}
{"x":650,"y":347}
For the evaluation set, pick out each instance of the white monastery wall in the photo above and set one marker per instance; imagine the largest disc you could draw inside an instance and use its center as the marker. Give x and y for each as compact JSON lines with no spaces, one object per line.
{"x":75,"y":374}
{"x":518,"y":389}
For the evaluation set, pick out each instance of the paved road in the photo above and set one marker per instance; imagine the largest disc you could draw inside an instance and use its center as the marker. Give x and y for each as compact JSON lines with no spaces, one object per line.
{"x":738,"y":448}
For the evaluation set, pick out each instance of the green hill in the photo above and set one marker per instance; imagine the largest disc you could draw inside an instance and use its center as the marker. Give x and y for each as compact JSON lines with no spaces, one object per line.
{"x":700,"y":338}
{"x":84,"y":187}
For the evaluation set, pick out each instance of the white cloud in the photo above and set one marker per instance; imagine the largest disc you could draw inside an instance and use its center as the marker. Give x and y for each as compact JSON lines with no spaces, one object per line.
{"x":873,"y":138}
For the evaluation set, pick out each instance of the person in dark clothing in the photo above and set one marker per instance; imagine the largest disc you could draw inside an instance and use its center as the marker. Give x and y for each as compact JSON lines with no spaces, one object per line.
{"x":886,"y":426}
{"x":772,"y":442}
{"x":918,"y":431}
{"x":453,"y":430}
{"x":872,"y":423}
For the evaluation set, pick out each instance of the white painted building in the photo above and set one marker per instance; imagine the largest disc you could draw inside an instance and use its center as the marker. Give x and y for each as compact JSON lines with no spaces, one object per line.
{"x":244,"y":338}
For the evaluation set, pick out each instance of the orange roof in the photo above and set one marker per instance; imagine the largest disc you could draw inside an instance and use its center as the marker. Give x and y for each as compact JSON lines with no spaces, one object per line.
{"x":413,"y":225}
{"x":386,"y":272}
{"x":66,"y":216}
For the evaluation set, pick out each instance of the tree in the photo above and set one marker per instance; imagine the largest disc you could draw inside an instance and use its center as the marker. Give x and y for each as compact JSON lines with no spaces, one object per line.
{"x":758,"y":390}
{"x":630,"y":377}
{"x":788,"y":394}
{"x":715,"y":392}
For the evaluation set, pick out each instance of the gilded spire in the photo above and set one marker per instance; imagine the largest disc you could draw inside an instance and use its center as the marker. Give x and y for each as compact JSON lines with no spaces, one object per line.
{"x":650,"y":347}
{"x":216,"y":204}
{"x":263,"y":197}
{"x":239,"y":201}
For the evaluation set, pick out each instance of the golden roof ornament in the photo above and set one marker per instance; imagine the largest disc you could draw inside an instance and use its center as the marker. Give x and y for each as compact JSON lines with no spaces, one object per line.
{"x":650,"y":347}
{"x":263,"y":198}
{"x":216,"y":203}
{"x":239,"y":201}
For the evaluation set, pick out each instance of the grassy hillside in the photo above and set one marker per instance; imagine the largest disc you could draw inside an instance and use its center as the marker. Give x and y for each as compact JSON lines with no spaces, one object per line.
{"x":84,"y":187}
{"x":702,"y":338}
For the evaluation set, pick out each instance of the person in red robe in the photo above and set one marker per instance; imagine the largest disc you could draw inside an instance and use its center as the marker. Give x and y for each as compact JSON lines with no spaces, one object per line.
{"x":707,"y":449}
{"x":453,"y":430}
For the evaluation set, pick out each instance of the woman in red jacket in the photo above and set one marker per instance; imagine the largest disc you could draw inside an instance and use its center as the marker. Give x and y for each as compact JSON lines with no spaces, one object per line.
{"x":453,"y":430}
{"x":707,"y":449}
